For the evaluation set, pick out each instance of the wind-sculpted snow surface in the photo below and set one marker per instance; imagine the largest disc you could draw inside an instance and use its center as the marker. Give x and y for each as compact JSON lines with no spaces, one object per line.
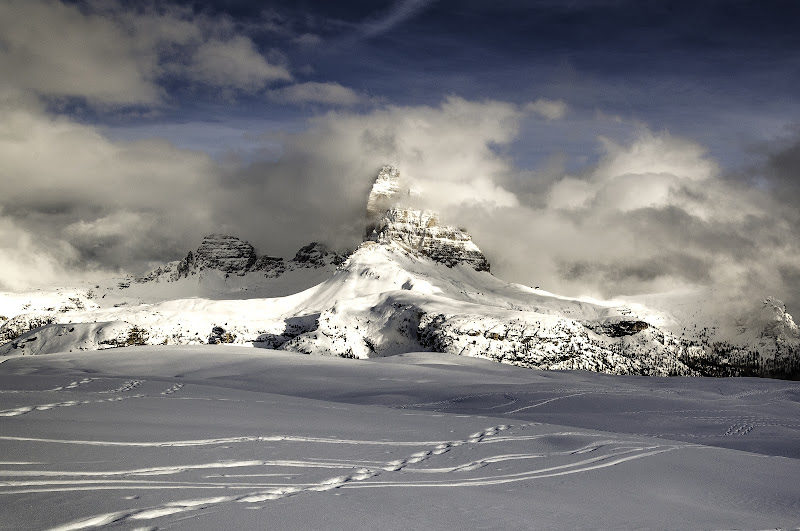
{"x":219,"y":438}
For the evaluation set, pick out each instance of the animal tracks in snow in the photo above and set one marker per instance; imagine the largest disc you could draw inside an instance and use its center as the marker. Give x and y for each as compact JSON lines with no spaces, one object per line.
{"x":174,"y":389}
{"x":471,"y":460}
{"x":209,"y":449}
{"x":126,"y":387}
{"x":23,"y":410}
{"x":739,"y":429}
{"x":129,"y":385}
{"x":75,"y":384}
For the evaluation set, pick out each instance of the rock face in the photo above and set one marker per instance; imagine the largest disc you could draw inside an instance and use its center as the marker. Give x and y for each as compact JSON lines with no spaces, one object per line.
{"x":316,"y":255}
{"x":416,"y":231}
{"x":232,"y":256}
{"x":225,"y":253}
{"x":420,"y":232}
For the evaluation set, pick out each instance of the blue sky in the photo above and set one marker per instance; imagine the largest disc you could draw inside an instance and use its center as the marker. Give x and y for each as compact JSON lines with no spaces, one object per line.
{"x":598,"y":146}
{"x":722,"y":73}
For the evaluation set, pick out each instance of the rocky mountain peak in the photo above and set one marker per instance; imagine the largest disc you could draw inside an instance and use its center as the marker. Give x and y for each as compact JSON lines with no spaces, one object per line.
{"x":416,"y":231}
{"x":316,"y":254}
{"x":383,"y":196}
{"x":233,"y":256}
{"x":225,"y":253}
{"x":777,"y":322}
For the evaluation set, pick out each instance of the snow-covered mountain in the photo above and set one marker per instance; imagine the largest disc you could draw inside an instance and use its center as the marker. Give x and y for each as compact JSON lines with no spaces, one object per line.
{"x":413,"y":284}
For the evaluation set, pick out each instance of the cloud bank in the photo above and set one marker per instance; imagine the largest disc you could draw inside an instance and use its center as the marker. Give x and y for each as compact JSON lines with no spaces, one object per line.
{"x":107,"y":54}
{"x":651,"y":213}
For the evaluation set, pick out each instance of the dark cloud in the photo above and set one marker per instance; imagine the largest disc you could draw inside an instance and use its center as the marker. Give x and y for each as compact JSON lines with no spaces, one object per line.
{"x":780,"y":170}
{"x":628,"y":277}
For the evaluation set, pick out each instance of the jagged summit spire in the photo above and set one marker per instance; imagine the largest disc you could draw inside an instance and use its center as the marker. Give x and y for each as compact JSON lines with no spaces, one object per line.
{"x":416,"y":231}
{"x":383,"y":196}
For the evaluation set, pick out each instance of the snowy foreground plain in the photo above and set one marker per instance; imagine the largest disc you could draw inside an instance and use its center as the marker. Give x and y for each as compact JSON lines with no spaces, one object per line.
{"x":218,"y":437}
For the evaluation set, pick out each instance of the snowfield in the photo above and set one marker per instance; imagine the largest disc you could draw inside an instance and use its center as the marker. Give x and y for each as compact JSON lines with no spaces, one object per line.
{"x":223,"y":437}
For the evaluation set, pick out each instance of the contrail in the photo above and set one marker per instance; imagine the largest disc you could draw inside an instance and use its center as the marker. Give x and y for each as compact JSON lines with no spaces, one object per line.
{"x":397,"y":14}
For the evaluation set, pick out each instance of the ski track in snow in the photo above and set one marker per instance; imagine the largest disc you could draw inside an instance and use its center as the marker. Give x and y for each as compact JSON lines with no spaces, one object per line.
{"x":513,"y":398}
{"x":543,"y":403}
{"x":603,"y":452}
{"x":752,"y":392}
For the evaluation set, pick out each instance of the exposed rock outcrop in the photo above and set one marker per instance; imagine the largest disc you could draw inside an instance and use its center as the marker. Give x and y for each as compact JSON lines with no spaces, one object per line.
{"x":232,"y":256}
{"x":22,"y":323}
{"x":317,"y":255}
{"x":225,"y":253}
{"x":416,"y":231}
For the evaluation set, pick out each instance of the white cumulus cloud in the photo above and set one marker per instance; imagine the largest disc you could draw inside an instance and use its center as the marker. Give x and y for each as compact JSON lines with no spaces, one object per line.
{"x":234,"y":63}
{"x":549,"y":109}
{"x":108,"y":54}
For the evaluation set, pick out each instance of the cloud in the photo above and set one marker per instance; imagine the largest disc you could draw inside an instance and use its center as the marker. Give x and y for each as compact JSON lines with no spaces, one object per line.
{"x":317,"y":188}
{"x":234,"y":63}
{"x":778,"y":171}
{"x":642,"y":174}
{"x":549,"y":109}
{"x":308,"y":39}
{"x":398,"y":13}
{"x":654,"y":213}
{"x":112,"y":205}
{"x":314,"y":92}
{"x":54,"y":49}
{"x":27,"y":260}
{"x":113,"y":56}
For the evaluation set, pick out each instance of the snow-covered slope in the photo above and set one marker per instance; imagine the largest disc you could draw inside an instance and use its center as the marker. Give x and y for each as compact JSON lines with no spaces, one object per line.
{"x":413,"y":285}
{"x":215,"y":437}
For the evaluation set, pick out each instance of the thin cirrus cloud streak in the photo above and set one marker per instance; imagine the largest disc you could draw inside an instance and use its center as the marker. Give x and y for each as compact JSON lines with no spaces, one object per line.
{"x":399,"y":12}
{"x":315,"y":92}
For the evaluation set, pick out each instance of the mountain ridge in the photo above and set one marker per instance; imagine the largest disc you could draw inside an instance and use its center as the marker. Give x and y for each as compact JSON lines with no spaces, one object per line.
{"x":412,"y":285}
{"x":233,"y":256}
